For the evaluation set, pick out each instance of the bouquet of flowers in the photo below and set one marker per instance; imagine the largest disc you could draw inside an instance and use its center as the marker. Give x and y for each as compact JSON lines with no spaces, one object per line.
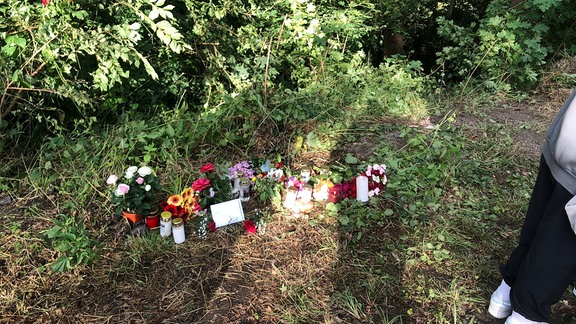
{"x":135,"y":191}
{"x":243,"y":167}
{"x":212,"y":187}
{"x":376,"y":178}
{"x":183,"y":205}
{"x":268,"y":182}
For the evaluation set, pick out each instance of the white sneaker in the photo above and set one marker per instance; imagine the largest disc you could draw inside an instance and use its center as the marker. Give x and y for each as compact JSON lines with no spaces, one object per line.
{"x":499,"y":307}
{"x":516,"y":318}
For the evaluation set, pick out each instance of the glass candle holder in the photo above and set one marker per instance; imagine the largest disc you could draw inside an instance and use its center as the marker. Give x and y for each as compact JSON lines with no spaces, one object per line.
{"x":244,"y":189}
{"x":237,"y":176}
{"x":178,"y":230}
{"x":290,"y":199}
{"x":305,"y":175}
{"x":306,"y":193}
{"x":165,"y":224}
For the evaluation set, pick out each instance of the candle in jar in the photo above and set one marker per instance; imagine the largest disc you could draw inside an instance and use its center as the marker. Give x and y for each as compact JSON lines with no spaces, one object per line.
{"x":305,"y":175}
{"x":165,"y":224}
{"x":290,"y":199}
{"x":244,"y":189}
{"x":178,"y":230}
{"x":362,"y":188}
{"x":306,"y":193}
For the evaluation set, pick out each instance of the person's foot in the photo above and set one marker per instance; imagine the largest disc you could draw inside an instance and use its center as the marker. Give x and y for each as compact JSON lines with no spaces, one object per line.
{"x":499,"y":307}
{"x":516,"y":318}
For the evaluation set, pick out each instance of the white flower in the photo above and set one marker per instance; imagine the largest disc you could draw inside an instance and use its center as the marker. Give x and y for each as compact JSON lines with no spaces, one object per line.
{"x":112,"y":180}
{"x":376,"y":178}
{"x":147,"y":188}
{"x":278,"y":174}
{"x":132,"y":169}
{"x":144,"y":171}
{"x":128,"y":175}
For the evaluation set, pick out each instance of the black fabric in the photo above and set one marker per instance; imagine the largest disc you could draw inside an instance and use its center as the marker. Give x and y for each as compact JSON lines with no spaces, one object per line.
{"x":544,"y":263}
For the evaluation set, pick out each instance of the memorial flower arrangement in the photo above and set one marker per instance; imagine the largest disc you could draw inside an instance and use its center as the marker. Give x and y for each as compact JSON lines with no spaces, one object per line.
{"x":135,"y":190}
{"x":213,"y":186}
{"x":243,"y":167}
{"x":183,"y":205}
{"x":377,"y":179}
{"x":269,"y":181}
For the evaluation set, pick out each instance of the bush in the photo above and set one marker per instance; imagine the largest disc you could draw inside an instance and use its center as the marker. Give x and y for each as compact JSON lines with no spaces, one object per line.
{"x":507,"y":49}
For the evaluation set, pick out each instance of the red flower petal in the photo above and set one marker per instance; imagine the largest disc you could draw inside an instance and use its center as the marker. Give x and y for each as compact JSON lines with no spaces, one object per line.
{"x":212,"y":227}
{"x":249,"y":226}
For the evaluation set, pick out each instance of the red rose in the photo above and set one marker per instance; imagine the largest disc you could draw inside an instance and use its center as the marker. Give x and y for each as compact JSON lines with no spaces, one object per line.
{"x":212,"y":227}
{"x":352,"y":188}
{"x":279,"y":165}
{"x":45,"y":2}
{"x":201,"y":184}
{"x":208,"y":168}
{"x":249,"y":226}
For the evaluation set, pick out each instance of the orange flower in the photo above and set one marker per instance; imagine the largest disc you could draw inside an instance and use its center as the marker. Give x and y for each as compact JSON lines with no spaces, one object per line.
{"x":175,"y":200}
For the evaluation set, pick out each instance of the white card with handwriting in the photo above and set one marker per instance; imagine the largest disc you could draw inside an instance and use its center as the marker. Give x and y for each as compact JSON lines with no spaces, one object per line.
{"x":228,"y":212}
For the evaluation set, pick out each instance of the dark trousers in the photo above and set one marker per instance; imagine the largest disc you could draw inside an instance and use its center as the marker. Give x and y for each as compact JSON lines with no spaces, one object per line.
{"x":544,"y":263}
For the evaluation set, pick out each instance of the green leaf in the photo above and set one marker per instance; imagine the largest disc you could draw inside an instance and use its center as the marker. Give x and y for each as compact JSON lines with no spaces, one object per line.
{"x":350,"y":159}
{"x":154,"y":13}
{"x":344,"y":220}
{"x":313,"y":141}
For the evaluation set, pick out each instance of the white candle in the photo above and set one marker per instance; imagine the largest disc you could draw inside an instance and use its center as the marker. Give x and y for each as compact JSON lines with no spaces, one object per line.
{"x":290,"y":199}
{"x":178,"y":230}
{"x":165,"y":224}
{"x":362,"y":188}
{"x":306,"y":194}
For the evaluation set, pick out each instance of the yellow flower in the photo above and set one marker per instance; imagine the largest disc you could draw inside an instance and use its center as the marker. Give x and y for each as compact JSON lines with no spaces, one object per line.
{"x":187,"y":195}
{"x":175,"y":200}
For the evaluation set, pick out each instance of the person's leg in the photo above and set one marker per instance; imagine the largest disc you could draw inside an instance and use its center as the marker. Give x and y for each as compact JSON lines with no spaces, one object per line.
{"x":549,"y":265}
{"x":543,"y":188}
{"x":500,"y":305}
